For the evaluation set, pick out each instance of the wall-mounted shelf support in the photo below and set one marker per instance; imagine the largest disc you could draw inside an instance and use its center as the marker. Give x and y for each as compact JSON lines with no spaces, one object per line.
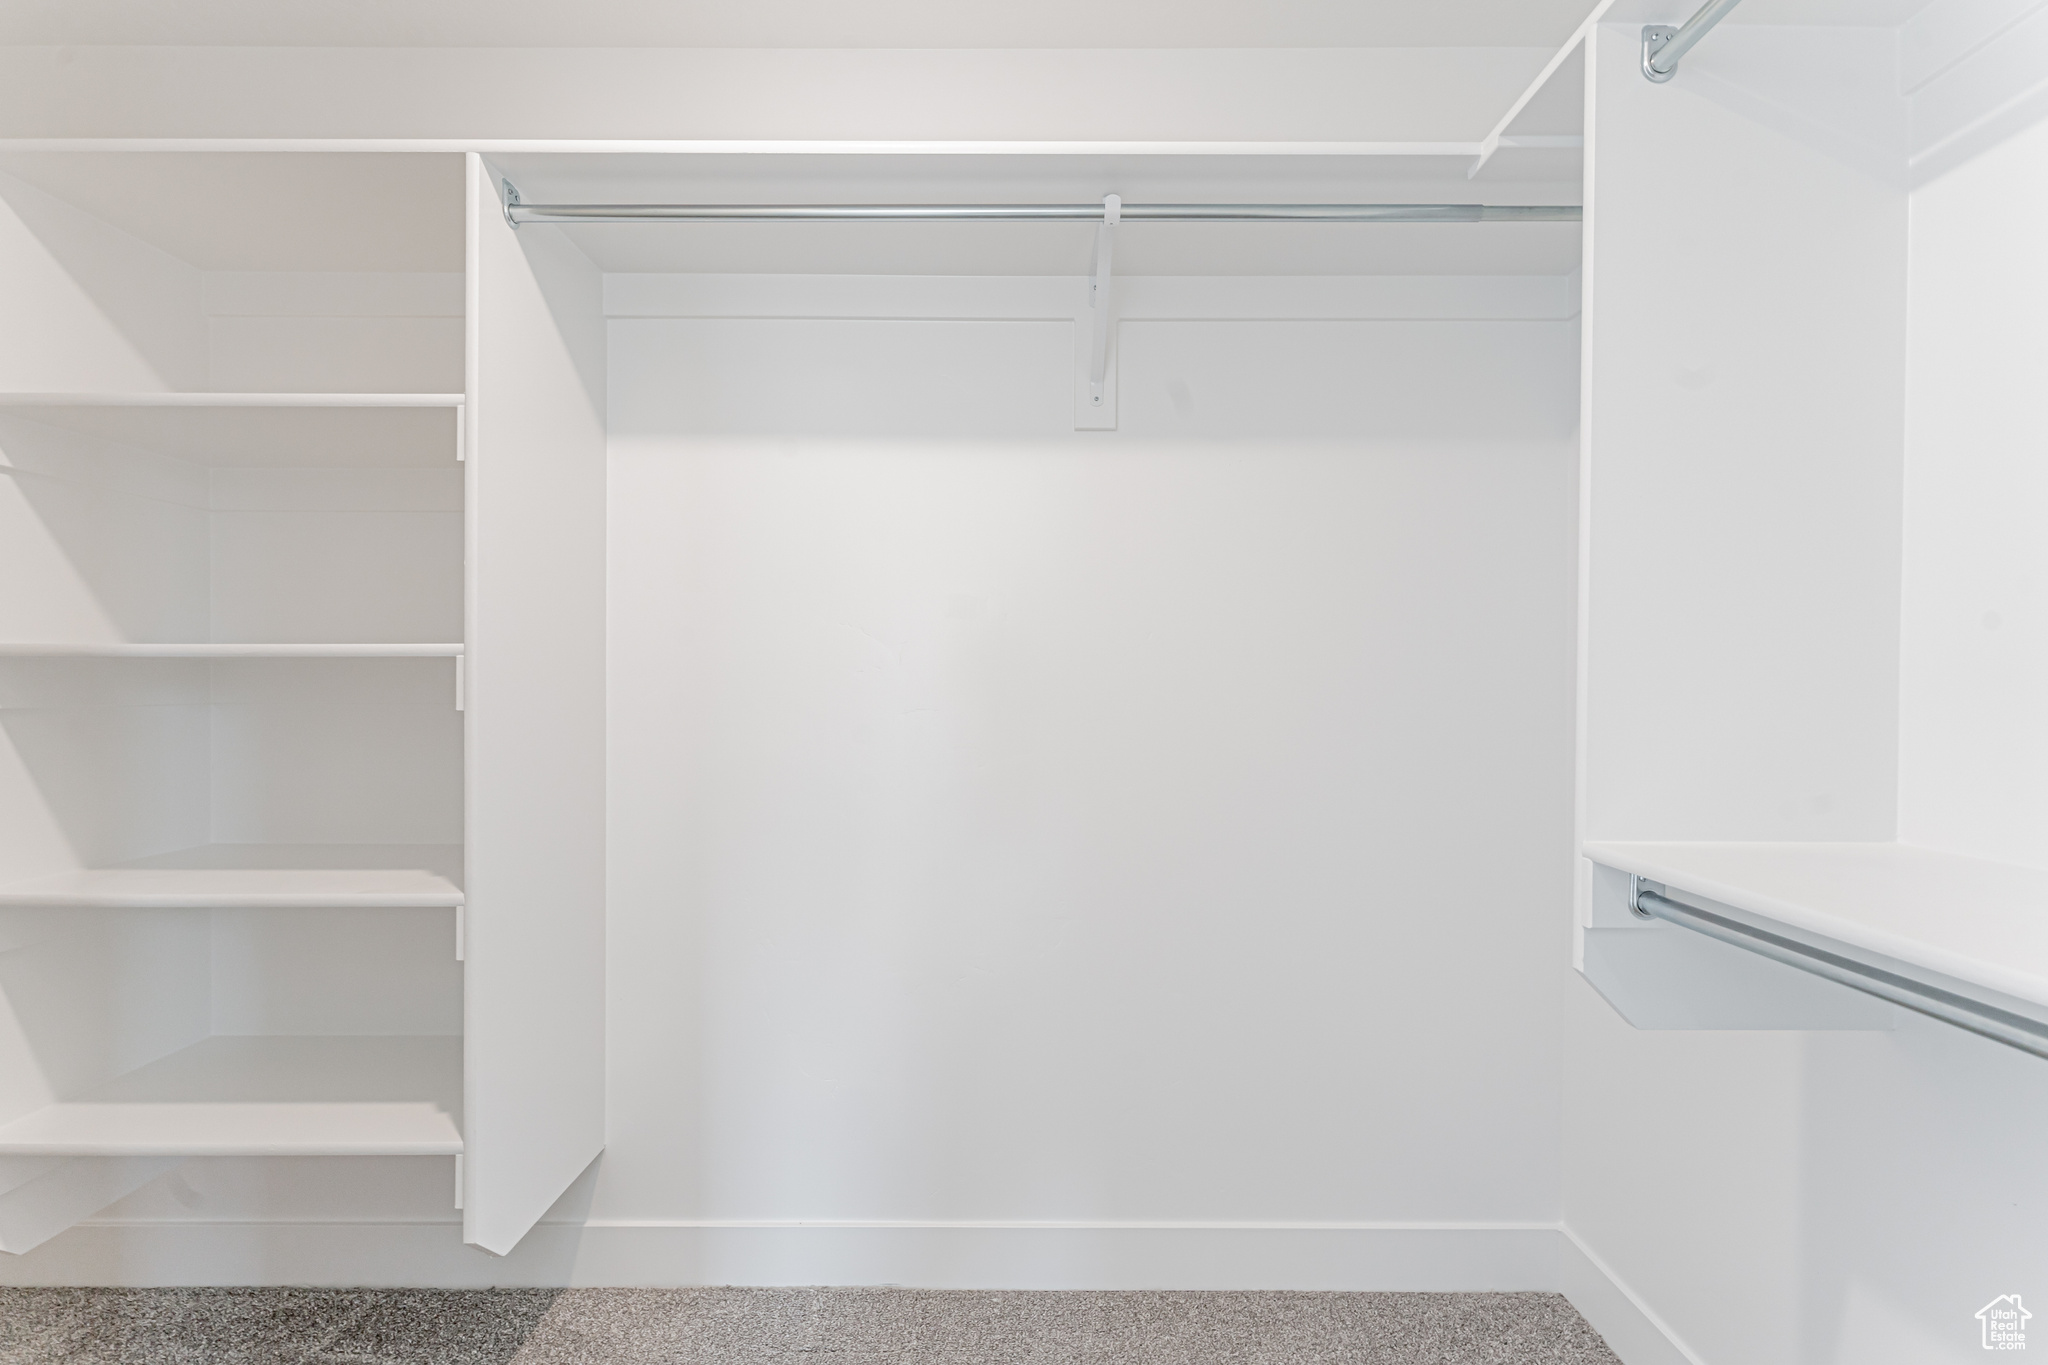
{"x":1664,"y":45}
{"x":1098,"y":296}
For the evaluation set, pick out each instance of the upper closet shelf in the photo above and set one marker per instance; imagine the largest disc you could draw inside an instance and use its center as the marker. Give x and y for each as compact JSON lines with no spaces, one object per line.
{"x":127,"y":650}
{"x":1980,"y":927}
{"x":1548,"y":118}
{"x":239,"y":429}
{"x":258,"y":876}
{"x":230,"y":400}
{"x":268,"y":1096}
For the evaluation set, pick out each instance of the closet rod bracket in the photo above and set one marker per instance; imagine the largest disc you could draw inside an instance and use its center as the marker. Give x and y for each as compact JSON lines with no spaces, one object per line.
{"x":1098,"y":297}
{"x":1663,"y":45}
{"x":510,"y":199}
{"x":1657,"y":37}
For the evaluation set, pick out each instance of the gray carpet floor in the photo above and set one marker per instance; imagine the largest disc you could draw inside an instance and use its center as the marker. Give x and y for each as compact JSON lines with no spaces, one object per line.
{"x":785,"y":1327}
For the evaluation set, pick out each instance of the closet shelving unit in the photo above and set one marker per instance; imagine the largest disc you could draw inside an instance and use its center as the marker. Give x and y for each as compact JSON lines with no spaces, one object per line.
{"x":231,"y":670}
{"x":283,"y":873}
{"x":250,"y":431}
{"x":519,"y":1094}
{"x":251,"y":610}
{"x":1790,"y":783}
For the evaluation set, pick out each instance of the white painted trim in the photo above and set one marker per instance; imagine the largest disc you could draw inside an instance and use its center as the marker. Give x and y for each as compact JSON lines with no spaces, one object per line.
{"x":732,"y":147}
{"x":1417,"y":1257}
{"x":1631,"y":1328}
{"x":477,"y":190}
{"x":1061,"y":1225}
{"x":897,"y":1224}
{"x":1102,"y":1254}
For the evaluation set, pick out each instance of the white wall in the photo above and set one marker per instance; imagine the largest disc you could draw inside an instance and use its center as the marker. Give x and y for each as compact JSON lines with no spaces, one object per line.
{"x":1824,"y":1199}
{"x":1742,"y":522}
{"x":101,"y":542}
{"x":1973,"y":737}
{"x":284,"y":331}
{"x":111,"y":311}
{"x":1015,"y":825}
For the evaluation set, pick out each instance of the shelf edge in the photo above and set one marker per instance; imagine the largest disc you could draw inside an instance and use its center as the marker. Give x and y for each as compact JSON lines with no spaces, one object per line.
{"x":1822,"y":924}
{"x":209,"y":650}
{"x":19,"y":900}
{"x":188,"y":399}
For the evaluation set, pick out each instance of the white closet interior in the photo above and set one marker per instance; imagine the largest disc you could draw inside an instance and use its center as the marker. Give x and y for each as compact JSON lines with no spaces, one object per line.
{"x":450,"y":668}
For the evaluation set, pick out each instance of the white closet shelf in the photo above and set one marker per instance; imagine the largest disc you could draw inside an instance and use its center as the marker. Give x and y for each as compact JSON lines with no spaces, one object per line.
{"x":258,"y":876}
{"x":230,"y":400}
{"x":1978,"y":922}
{"x":226,"y":1096}
{"x":210,"y":650}
{"x":259,"y":429}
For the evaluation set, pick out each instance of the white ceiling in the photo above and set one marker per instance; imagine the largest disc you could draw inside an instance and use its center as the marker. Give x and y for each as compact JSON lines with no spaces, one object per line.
{"x":797,"y":23}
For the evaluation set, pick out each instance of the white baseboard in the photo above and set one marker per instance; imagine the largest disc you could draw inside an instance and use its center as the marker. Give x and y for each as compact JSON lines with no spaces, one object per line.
{"x":936,"y":1255}
{"x":1404,"y":1256}
{"x":1627,"y":1324}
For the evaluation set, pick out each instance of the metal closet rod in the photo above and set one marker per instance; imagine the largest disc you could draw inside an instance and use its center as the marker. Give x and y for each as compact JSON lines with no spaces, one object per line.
{"x":519,"y":213}
{"x":1978,"y":1016}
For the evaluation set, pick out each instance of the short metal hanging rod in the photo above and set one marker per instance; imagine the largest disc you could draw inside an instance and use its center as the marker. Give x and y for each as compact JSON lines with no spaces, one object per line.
{"x":518,"y":213}
{"x":1663,"y":45}
{"x":1899,"y":986}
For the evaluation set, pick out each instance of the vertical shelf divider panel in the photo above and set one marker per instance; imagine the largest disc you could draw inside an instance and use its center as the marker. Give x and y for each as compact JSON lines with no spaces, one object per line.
{"x":534,"y":1013}
{"x":1741,"y":489}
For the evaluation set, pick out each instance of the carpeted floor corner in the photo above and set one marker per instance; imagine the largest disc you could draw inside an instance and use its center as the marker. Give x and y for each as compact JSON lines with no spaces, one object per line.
{"x":885,"y":1326}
